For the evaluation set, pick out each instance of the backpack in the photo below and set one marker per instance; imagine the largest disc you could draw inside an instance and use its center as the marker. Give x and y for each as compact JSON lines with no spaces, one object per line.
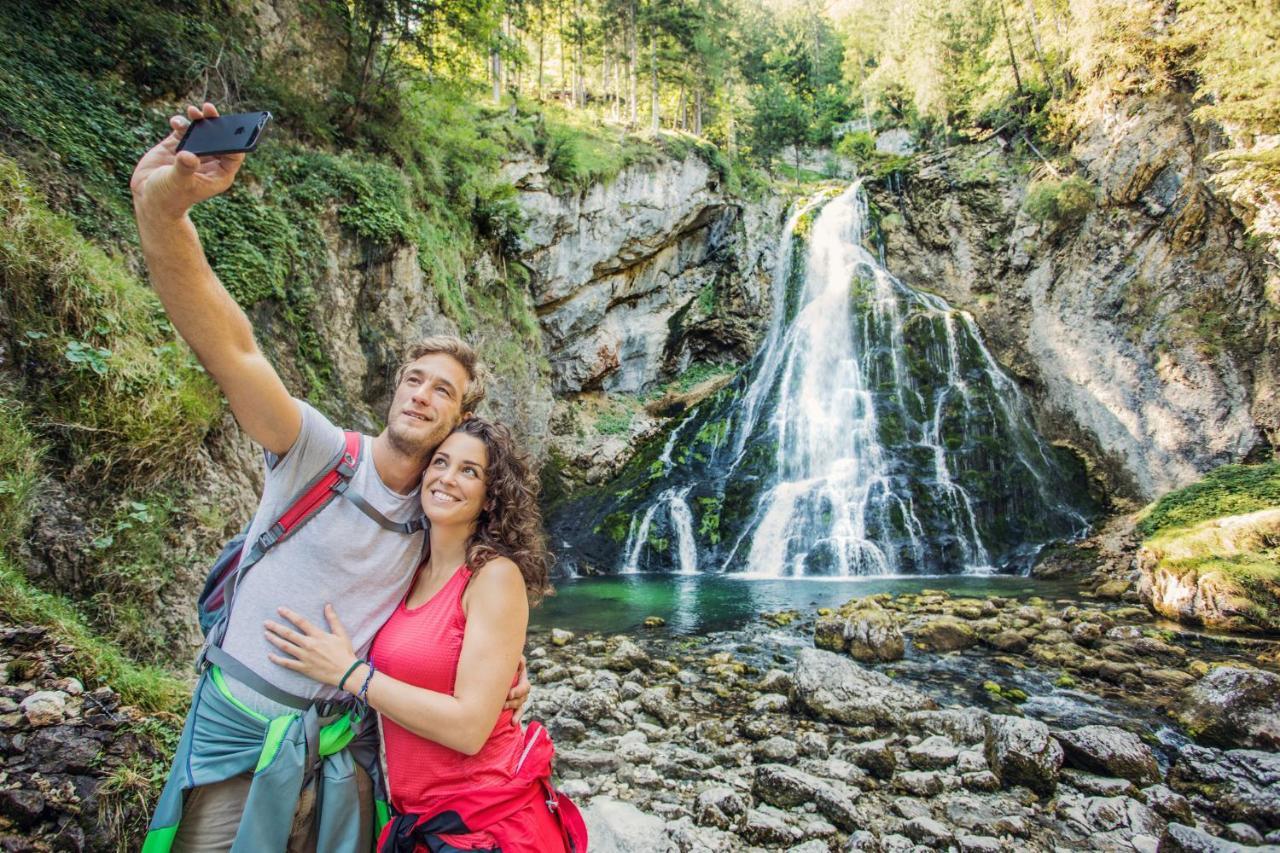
{"x":238,"y":556}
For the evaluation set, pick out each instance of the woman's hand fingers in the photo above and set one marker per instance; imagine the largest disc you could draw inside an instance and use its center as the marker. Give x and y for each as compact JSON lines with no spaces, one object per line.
{"x":287,"y":663}
{"x":286,"y":634}
{"x":300,"y":622}
{"x":284,"y":645}
{"x":335,"y":624}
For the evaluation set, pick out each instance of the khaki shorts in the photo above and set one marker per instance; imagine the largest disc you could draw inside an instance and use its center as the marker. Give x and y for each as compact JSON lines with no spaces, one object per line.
{"x":212,"y":813}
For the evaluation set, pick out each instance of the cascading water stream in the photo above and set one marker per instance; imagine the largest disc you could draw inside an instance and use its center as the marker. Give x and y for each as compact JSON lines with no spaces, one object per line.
{"x":872,"y":434}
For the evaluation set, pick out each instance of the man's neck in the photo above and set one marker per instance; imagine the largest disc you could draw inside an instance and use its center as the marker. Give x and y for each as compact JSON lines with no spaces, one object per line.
{"x":399,"y":473}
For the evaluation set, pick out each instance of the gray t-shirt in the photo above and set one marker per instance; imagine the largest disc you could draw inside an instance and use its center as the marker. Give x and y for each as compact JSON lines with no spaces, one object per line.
{"x":340,"y":557}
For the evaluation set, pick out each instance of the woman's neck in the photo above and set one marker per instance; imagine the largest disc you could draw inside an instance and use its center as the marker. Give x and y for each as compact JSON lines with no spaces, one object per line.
{"x":449,"y":546}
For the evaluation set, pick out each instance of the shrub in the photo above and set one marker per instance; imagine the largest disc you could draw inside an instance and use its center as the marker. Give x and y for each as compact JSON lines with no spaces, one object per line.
{"x":1063,"y":203}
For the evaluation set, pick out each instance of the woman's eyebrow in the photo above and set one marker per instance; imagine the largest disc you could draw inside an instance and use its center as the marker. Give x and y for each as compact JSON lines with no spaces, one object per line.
{"x":473,"y":464}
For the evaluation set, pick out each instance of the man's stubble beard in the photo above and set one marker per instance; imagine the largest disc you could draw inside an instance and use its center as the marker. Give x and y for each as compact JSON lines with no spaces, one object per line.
{"x":420,"y":450}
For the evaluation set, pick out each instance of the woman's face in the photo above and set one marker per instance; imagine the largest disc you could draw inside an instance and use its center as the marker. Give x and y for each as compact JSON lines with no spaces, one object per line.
{"x":453,"y":486}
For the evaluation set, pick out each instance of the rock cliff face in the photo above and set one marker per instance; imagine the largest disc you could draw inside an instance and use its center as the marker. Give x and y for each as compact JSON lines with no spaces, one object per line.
{"x":1145,"y":328}
{"x":627,"y":275}
{"x":634,"y":280}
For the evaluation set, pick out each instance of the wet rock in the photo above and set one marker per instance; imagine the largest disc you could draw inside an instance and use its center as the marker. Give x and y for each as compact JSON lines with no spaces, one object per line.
{"x":921,"y":783}
{"x":1109,"y":751}
{"x":1178,"y":838}
{"x":944,"y":634}
{"x":910,"y":807}
{"x":978,"y":844}
{"x":875,"y":757}
{"x":836,"y":688}
{"x":770,"y":703}
{"x":764,"y":828}
{"x":1168,"y":803}
{"x":660,"y":702}
{"x":1119,"y":818}
{"x":44,"y":707}
{"x":1234,"y":707}
{"x":828,"y":633}
{"x":982,"y":780}
{"x":1235,"y":785}
{"x":933,"y":753}
{"x":785,"y":787}
{"x":927,"y":831}
{"x":962,"y":725}
{"x":775,"y":749}
{"x":970,"y":761}
{"x":1021,"y":752}
{"x":626,"y":656}
{"x":872,"y":634}
{"x":775,"y":681}
{"x":1086,"y":633}
{"x":861,"y":841}
{"x":561,"y":637}
{"x":1243,"y":833}
{"x":723,"y":808}
{"x":1098,"y":786}
{"x":1009,"y":641}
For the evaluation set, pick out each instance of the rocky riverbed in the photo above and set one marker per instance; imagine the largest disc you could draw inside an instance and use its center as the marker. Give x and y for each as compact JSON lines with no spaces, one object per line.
{"x":922,"y":721}
{"x":919,"y":722}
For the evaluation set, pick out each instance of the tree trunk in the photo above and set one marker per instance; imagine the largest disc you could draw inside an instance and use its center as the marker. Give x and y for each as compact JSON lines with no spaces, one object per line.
{"x":633,"y":67}
{"x":681,"y":109}
{"x":697,"y":112}
{"x":653,"y":82}
{"x":1013,"y":59}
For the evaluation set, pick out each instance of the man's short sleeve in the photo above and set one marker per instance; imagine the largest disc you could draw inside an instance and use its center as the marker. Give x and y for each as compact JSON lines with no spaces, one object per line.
{"x":317,"y":443}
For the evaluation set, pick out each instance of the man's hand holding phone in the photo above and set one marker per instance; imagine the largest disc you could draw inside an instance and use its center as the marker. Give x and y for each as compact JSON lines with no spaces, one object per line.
{"x":168,"y":182}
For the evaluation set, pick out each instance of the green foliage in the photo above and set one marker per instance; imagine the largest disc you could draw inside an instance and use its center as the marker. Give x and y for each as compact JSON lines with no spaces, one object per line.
{"x":92,"y":659}
{"x":1227,"y":490}
{"x":616,"y":421}
{"x":107,"y":377}
{"x":20,"y":471}
{"x":1063,"y":203}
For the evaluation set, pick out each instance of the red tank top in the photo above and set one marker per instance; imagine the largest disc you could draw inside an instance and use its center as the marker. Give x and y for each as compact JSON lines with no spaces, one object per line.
{"x":421,"y":646}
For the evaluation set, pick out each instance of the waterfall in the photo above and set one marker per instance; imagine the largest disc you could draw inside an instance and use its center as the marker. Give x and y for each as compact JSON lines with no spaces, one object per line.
{"x":872,"y":434}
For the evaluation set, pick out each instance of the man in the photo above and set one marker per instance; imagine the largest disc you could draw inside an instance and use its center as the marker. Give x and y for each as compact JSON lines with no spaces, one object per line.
{"x":265,"y":748}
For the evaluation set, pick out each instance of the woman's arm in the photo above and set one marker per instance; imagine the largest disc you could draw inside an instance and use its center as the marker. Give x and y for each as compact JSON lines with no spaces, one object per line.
{"x":497,"y":616}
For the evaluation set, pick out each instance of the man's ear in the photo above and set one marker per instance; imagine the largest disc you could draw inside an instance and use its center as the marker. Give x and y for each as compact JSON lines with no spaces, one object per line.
{"x":466,"y":416}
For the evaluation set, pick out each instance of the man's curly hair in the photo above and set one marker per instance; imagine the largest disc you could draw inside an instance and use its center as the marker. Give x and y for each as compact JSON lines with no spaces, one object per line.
{"x":513,"y":527}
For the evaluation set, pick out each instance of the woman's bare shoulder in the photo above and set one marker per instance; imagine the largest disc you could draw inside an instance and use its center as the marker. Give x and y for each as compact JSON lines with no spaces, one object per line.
{"x":499,"y":580}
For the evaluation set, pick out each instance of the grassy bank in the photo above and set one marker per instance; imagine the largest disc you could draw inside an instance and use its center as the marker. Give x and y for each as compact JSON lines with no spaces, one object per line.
{"x":1223,"y":533}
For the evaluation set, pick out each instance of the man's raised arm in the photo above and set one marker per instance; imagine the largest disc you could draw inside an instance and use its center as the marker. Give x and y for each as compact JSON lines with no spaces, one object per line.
{"x":166,"y":184}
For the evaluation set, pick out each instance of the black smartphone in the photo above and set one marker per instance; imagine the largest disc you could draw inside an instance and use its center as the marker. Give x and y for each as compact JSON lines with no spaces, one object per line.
{"x":231,"y":134}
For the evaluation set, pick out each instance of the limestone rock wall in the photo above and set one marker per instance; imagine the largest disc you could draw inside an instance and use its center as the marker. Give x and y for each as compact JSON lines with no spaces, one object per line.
{"x":1145,"y":330}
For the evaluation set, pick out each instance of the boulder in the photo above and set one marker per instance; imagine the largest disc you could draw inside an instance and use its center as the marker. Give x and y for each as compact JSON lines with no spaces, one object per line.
{"x":836,"y":688}
{"x":875,"y":757}
{"x":944,"y":634}
{"x":1233,"y":707}
{"x":933,"y":753}
{"x":561,"y":637}
{"x":1168,"y":803}
{"x":1234,"y":785}
{"x":617,"y":827}
{"x":723,"y":808}
{"x":626,"y":656}
{"x":44,"y":707}
{"x":872,"y":634}
{"x":784,"y":787}
{"x":828,"y":633}
{"x":1021,"y":752}
{"x":1109,"y":751}
{"x":1178,"y":838}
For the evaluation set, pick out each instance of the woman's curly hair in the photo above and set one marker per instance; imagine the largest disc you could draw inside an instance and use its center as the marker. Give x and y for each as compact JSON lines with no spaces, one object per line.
{"x":513,"y":527}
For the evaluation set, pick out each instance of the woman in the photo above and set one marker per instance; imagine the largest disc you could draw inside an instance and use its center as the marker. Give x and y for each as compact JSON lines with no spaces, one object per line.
{"x":459,"y":769}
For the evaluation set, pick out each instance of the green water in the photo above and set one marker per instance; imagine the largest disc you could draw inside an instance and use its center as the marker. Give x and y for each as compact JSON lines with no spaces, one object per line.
{"x":696,"y":604}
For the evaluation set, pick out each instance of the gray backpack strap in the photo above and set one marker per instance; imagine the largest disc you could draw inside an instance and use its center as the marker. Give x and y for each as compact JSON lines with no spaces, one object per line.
{"x":344,"y":488}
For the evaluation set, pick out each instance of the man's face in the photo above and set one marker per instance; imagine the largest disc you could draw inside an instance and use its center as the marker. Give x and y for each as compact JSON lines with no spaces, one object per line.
{"x":427,"y":404}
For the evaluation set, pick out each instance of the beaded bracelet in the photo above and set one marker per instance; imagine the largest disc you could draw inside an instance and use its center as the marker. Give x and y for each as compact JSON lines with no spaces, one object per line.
{"x":350,"y":670}
{"x":365,"y":687}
